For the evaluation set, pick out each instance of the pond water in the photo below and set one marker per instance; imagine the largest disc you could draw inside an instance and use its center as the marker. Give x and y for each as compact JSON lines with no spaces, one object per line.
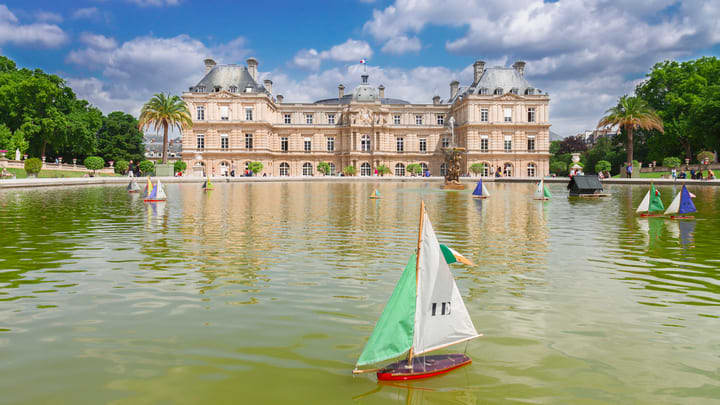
{"x":267,"y":292}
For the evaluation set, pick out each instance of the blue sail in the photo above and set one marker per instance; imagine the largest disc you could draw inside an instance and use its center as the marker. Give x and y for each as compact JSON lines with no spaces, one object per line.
{"x":686,"y":204}
{"x":478,"y":188}
{"x":152,"y":194}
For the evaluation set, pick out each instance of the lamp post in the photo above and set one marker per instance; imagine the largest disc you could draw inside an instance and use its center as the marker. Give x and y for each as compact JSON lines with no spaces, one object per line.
{"x":59,"y":161}
{"x":74,"y":162}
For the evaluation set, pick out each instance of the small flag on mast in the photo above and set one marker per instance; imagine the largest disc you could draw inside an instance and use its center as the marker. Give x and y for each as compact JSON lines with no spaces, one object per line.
{"x":363,"y":61}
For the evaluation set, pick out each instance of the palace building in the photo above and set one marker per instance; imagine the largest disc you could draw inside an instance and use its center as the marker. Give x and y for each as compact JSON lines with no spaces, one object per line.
{"x":501,"y":120}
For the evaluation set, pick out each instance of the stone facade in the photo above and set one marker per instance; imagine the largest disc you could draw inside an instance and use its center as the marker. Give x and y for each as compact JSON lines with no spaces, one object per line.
{"x":500,"y":119}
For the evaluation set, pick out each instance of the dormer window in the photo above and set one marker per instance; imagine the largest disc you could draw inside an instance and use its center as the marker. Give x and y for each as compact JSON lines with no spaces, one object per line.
{"x":514,"y":90}
{"x":233,"y":89}
{"x":217,"y":89}
{"x":529,"y":91}
{"x":484,"y":91}
{"x":248,"y":89}
{"x":200,"y":89}
{"x":498,"y":91}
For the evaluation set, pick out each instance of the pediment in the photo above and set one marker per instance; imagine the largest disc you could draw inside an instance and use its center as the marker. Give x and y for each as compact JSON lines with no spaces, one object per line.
{"x":509,"y":97}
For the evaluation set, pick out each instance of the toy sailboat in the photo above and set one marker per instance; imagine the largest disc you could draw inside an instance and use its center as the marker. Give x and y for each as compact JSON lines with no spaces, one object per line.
{"x":682,"y":204}
{"x":375,"y":194}
{"x":133,"y":187}
{"x":542,"y":192}
{"x":154,"y":194}
{"x":207,"y":185}
{"x":480,"y":190}
{"x":651,"y":204}
{"x":424,"y":313}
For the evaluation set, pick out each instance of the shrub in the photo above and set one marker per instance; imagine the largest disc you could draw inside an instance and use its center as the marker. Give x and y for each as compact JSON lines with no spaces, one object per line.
{"x":121,"y":166}
{"x":602,"y":166}
{"x":33,"y":166}
{"x":476,"y":168}
{"x":324,"y":168}
{"x":255,"y":167}
{"x":383,"y":170}
{"x":414,"y":168}
{"x":636,"y":164}
{"x":94,"y":163}
{"x":671,"y":162}
{"x":179,"y":166}
{"x":559,"y":168}
{"x":705,"y":155}
{"x":349,"y":170}
{"x":147,"y":167}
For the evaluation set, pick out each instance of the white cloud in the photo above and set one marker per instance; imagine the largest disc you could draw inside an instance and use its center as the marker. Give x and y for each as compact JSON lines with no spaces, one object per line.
{"x":155,"y":3}
{"x":86,"y":13}
{"x":348,"y":51}
{"x":40,"y":34}
{"x":98,"y":41}
{"x":402,"y":44}
{"x":47,"y":16}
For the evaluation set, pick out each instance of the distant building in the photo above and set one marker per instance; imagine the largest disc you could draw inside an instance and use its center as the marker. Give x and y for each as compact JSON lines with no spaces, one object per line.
{"x":592,"y":136}
{"x":500,"y":119}
{"x":154,"y":146}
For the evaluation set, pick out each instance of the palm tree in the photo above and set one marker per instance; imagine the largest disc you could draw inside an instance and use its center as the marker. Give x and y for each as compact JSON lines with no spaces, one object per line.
{"x":165,"y":111}
{"x":631,"y":113}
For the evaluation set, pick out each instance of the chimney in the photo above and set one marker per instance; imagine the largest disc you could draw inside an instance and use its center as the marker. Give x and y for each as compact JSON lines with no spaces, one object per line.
{"x":478,"y":68}
{"x":209,"y":64}
{"x":268,"y":85}
{"x":341,"y":91}
{"x":252,"y":65}
{"x":454,"y":88}
{"x":364,"y":78}
{"x":279,"y":98}
{"x":436,"y":100}
{"x":519,"y":66}
{"x":381,"y":91}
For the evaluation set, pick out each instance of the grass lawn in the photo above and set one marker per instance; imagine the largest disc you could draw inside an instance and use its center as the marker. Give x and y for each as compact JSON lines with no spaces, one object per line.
{"x":47,"y":174}
{"x":657,"y":175}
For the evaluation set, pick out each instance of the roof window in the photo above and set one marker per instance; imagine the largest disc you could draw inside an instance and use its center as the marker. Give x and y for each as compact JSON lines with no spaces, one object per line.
{"x":498,"y":91}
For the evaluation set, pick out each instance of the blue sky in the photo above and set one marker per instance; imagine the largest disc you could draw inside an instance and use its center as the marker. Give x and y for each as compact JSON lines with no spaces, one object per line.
{"x":117,"y":53}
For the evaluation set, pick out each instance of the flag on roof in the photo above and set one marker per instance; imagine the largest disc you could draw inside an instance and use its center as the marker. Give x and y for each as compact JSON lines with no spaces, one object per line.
{"x":363,"y":61}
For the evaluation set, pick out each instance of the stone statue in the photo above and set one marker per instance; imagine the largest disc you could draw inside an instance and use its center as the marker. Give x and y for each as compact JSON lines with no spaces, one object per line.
{"x":453,"y":158}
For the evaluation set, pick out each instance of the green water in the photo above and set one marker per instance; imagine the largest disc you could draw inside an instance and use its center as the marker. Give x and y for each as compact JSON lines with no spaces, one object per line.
{"x":266,"y":293}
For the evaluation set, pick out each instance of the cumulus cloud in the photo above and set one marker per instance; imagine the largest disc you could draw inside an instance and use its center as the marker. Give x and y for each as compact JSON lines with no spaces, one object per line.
{"x":86,"y":13}
{"x":348,"y":51}
{"x":402,"y":44}
{"x":47,"y":16}
{"x":155,"y":3}
{"x":12,"y":31}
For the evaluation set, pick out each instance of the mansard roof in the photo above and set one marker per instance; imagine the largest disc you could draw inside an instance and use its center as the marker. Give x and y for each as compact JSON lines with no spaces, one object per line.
{"x":497,"y":78}
{"x":346,"y":99}
{"x":224,"y":77}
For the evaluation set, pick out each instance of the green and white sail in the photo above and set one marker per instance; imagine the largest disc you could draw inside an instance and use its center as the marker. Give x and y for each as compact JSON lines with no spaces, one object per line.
{"x":651,"y":202}
{"x":542,"y":192}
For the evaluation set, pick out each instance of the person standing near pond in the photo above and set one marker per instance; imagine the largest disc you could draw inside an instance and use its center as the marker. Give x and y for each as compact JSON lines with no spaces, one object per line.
{"x":628,"y":171}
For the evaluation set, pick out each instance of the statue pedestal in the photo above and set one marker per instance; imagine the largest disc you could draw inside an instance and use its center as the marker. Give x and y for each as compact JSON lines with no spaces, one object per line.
{"x":453,"y":185}
{"x":163,"y":170}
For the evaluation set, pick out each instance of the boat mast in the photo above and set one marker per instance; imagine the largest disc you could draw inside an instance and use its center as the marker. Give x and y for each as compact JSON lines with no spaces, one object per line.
{"x":417,"y":263}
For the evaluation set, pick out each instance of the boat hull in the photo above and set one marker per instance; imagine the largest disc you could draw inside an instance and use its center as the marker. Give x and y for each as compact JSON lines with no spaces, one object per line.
{"x":650,"y":215}
{"x":541,"y":199}
{"x":682,"y":217}
{"x":423,"y":367}
{"x":482,"y":197}
{"x":155,"y":200}
{"x":133,"y":191}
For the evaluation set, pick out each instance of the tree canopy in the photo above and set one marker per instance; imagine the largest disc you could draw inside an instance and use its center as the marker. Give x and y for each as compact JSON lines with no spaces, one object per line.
{"x":119,"y":138}
{"x":165,"y":111}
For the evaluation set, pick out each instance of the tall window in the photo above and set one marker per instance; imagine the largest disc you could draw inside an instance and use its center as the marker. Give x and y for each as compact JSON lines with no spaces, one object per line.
{"x":284,"y":169}
{"x":200,"y":113}
{"x":248,"y":141}
{"x":308,"y":118}
{"x":365,"y":143}
{"x":307,"y":145}
{"x":399,"y":169}
{"x":200,"y":141}
{"x":400,"y":144}
{"x":224,"y":113}
{"x":423,"y":145}
{"x":507,"y":114}
{"x":484,"y":91}
{"x":284,"y":144}
{"x":248,"y":114}
{"x":531,"y":114}
{"x":443,"y":169}
{"x":224,"y":144}
{"x":508,"y":143}
{"x":424,"y":167}
{"x":531,"y":143}
{"x":307,"y":169}
{"x":287,"y":118}
{"x":484,"y":115}
{"x":331,"y":119}
{"x":365,"y":169}
{"x":330,"y":143}
{"x":531,"y":169}
{"x":445,"y":142}
{"x":486,"y":169}
{"x":440,"y":119}
{"x":418,"y":120}
{"x":396,"y":119}
{"x":332,"y":168}
{"x":508,"y":170}
{"x":484,"y":143}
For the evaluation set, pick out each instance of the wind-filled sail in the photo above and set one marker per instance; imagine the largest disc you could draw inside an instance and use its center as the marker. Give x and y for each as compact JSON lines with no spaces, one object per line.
{"x":393,"y":333}
{"x":539,"y":191}
{"x":674,"y":205}
{"x":686,"y":204}
{"x":485,"y":191}
{"x":133,"y":186}
{"x":644,"y":204}
{"x":160,"y":191}
{"x":478,"y":188}
{"x":546,"y":192}
{"x":441,"y":318}
{"x":655,"y":203}
{"x":148,"y":188}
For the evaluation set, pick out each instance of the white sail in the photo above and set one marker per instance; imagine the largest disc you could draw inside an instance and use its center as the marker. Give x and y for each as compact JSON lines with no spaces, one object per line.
{"x":160,"y":192}
{"x":645,"y":204}
{"x":539,"y":191}
{"x":674,"y":205}
{"x":485,"y":191}
{"x":441,"y":318}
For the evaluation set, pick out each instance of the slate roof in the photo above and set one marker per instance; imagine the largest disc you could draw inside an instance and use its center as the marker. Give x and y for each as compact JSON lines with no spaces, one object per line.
{"x":348,"y":98}
{"x":493,"y":78}
{"x":585,"y":184}
{"x":225,"y":76}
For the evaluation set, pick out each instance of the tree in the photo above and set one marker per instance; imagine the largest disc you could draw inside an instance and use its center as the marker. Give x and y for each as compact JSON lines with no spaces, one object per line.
{"x":571,"y":144}
{"x":255,"y":167}
{"x":383,"y":170}
{"x":121,"y":166}
{"x":324,"y":168}
{"x":559,"y":168}
{"x":477,"y":168}
{"x":414,"y":168}
{"x":179,"y":166}
{"x":672,"y":162}
{"x":349,"y":170}
{"x":705,"y":155}
{"x":602,"y":166}
{"x":119,"y":138}
{"x":631,"y":113}
{"x":165,"y":111}
{"x":147,"y":167}
{"x":94,"y":163}
{"x":33,"y":166}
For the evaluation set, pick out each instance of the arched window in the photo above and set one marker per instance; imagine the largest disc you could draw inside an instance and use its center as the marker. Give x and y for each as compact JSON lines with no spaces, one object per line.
{"x":486,"y":169}
{"x":233,"y":89}
{"x":484,"y":91}
{"x":224,"y":168}
{"x":365,"y":169}
{"x":284,"y":169}
{"x":443,"y":169}
{"x":400,"y":169}
{"x":508,"y":170}
{"x":247,"y":166}
{"x":332,"y":168}
{"x":529,"y":91}
{"x":424,"y":168}
{"x":514,"y":90}
{"x":498,"y":91}
{"x":307,"y":169}
{"x":365,"y":143}
{"x":531,"y":169}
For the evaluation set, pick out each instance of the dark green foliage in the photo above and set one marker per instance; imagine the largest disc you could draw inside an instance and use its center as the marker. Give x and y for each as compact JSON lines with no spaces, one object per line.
{"x":602,"y":166}
{"x":702,"y":156}
{"x":94,"y":163}
{"x":671,"y":162}
{"x":606,"y":149}
{"x":349,"y":170}
{"x":179,"y":166}
{"x":383,"y":170}
{"x":147,"y":167}
{"x":121,"y":166}
{"x":33,"y":165}
{"x":414,"y":168}
{"x":477,"y":168}
{"x":255,"y":167}
{"x":119,"y":138}
{"x":324,"y":168}
{"x":559,"y":168}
